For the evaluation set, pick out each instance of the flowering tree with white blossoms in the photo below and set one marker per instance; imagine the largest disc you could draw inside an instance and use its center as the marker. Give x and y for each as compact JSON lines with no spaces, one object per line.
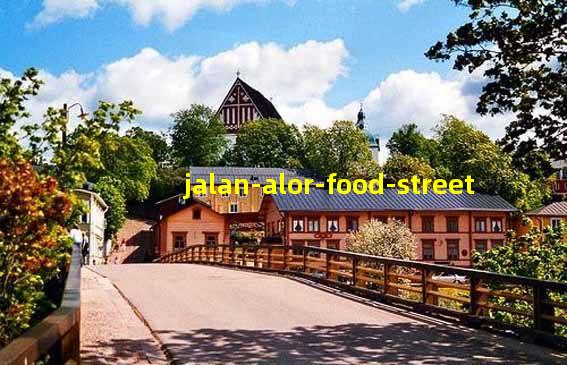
{"x":383,"y":239}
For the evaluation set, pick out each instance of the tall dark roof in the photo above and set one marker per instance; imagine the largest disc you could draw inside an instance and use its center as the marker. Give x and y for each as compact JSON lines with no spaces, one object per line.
{"x":557,"y":209}
{"x":252,"y":174}
{"x":320,"y":200}
{"x":265,"y":106}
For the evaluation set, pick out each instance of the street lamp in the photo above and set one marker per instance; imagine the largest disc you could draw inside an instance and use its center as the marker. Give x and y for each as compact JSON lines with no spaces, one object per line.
{"x":83,"y":115}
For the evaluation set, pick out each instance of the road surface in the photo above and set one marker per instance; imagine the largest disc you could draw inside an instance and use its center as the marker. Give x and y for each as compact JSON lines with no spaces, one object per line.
{"x":204,"y":314}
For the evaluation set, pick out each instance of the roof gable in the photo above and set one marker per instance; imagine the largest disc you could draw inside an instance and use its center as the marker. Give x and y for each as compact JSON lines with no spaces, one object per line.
{"x":243,"y":103}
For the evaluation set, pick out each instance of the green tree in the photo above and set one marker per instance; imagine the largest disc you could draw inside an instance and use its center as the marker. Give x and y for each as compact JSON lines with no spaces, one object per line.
{"x":409,"y":141}
{"x":337,"y":149}
{"x":268,"y":143}
{"x":466,"y":151}
{"x":34,"y":244}
{"x":538,"y":254}
{"x":197,"y":137}
{"x":519,"y":46}
{"x":13,"y":95}
{"x":404,"y":167}
{"x":111,"y":190}
{"x":157,"y":143}
{"x":383,"y":239}
{"x":129,"y":161}
{"x":78,"y":154}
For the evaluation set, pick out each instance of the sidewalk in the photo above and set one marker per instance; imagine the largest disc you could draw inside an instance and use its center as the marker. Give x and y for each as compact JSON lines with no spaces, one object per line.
{"x":111,"y":333}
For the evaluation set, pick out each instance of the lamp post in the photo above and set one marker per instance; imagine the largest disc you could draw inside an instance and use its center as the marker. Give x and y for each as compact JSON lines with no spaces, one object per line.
{"x":83,"y":115}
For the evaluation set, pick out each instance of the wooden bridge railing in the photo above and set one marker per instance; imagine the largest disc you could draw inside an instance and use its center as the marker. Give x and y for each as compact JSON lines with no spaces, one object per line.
{"x":54,"y":340}
{"x":521,"y":304}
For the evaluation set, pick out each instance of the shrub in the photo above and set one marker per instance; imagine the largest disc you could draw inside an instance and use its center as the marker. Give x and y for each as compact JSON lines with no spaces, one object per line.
{"x":380,"y":239}
{"x":34,"y":244}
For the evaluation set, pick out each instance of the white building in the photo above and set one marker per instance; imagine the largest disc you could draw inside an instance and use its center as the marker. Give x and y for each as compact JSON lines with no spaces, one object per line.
{"x":92,"y":226}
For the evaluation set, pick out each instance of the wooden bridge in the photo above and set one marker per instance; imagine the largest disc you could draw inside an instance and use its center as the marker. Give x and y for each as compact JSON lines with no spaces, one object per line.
{"x":303,"y":305}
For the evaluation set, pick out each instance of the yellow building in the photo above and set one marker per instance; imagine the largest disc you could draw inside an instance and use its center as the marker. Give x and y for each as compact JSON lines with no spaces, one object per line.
{"x":237,"y":202}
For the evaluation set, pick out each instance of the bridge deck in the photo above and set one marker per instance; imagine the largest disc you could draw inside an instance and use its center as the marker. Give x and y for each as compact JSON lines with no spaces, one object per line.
{"x":206,"y":314}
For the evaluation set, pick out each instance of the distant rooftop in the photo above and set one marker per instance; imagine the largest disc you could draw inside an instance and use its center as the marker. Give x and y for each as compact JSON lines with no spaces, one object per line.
{"x":557,"y":209}
{"x":320,"y":200}
{"x":252,"y":174}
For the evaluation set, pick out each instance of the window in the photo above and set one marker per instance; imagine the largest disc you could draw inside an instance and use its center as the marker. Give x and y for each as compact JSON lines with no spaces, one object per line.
{"x":211,"y":239}
{"x":332,"y":224}
{"x":224,"y":195}
{"x":380,"y":218}
{"x":400,"y":219}
{"x":84,"y":218}
{"x":233,"y":208}
{"x":314,"y":243}
{"x":180,"y":200}
{"x":452,"y":224}
{"x":281,"y":226}
{"x":242,"y":191}
{"x":428,"y":249}
{"x":480,"y":224}
{"x":555,"y":222}
{"x":496,"y":224}
{"x":179,"y":240}
{"x":452,"y":249}
{"x":481,"y":246}
{"x":497,"y":243}
{"x":312,"y":224}
{"x":333,"y":244}
{"x":298,"y":225}
{"x":352,"y":224}
{"x":197,"y":214}
{"x":427,"y":224}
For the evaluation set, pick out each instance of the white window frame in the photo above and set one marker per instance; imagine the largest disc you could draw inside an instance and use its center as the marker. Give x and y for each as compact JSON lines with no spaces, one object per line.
{"x":555,"y":222}
{"x":230,"y":206}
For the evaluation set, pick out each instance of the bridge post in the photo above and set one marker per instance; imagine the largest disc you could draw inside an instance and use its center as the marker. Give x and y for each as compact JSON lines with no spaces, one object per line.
{"x":542,"y":310}
{"x":304,"y":260}
{"x":354,"y":267}
{"x":327,"y":265}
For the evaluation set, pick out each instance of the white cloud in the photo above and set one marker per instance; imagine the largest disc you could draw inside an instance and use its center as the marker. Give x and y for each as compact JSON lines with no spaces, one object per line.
{"x":56,"y":10}
{"x":160,"y":85}
{"x":406,"y":5}
{"x":298,"y":78}
{"x":171,"y":13}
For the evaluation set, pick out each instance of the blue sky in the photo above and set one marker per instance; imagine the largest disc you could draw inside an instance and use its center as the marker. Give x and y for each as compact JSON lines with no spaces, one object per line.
{"x":349,"y":52}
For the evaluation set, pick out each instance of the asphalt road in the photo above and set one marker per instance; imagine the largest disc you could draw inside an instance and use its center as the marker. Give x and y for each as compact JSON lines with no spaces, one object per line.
{"x":204,"y":314}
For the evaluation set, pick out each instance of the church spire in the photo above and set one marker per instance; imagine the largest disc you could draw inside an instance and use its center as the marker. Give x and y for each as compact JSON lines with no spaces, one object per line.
{"x":361,"y":117}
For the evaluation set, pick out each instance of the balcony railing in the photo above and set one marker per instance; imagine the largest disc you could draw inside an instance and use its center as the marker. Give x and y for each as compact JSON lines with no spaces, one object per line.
{"x":523,"y":305}
{"x":54,"y":340}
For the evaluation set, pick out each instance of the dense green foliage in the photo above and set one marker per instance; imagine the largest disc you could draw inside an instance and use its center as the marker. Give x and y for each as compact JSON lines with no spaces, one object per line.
{"x":34,"y":244}
{"x":341,"y":149}
{"x":111,"y":190}
{"x":13,"y":94}
{"x":267,"y":143}
{"x":458,"y":150}
{"x":519,"y":45}
{"x":155,"y":141}
{"x":404,"y":167}
{"x":538,"y":254}
{"x":197,"y":137}
{"x":409,"y":141}
{"x":129,"y":161}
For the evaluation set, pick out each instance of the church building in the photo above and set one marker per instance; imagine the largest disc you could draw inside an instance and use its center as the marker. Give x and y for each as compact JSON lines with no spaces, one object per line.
{"x":241,"y":104}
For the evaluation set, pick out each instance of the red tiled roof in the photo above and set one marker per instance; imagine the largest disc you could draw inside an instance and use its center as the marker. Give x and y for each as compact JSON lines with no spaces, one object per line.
{"x":557,"y":209}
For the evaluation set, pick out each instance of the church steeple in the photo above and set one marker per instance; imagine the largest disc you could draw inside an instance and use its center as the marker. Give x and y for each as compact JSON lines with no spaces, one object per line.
{"x":360,"y":119}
